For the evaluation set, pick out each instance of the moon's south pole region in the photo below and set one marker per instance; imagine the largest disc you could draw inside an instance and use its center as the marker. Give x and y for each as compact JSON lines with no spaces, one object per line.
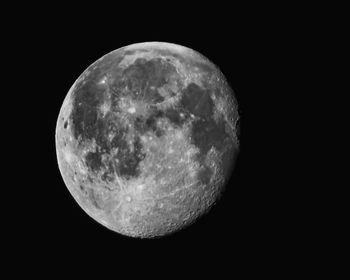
{"x":147,"y":138}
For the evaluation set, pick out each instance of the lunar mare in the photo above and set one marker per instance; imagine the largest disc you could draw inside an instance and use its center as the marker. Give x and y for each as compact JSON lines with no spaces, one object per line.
{"x":146,"y":138}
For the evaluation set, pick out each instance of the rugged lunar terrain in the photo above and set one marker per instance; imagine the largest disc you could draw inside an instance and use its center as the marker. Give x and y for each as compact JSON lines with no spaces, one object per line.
{"x":147,"y":137}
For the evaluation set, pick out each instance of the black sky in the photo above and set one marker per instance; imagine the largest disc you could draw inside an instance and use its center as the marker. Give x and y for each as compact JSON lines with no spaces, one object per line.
{"x":247,"y":49}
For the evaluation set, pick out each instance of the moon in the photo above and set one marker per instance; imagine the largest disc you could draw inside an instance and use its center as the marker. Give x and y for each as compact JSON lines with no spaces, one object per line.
{"x":147,"y":138}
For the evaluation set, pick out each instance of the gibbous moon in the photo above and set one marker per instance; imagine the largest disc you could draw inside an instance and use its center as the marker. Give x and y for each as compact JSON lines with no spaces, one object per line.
{"x":146,"y":138}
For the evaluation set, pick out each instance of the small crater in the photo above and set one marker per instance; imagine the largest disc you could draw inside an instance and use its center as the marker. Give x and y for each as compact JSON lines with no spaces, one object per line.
{"x":128,"y":198}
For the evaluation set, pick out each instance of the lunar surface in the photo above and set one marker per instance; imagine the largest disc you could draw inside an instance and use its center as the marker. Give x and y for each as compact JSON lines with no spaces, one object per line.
{"x":146,"y":138}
